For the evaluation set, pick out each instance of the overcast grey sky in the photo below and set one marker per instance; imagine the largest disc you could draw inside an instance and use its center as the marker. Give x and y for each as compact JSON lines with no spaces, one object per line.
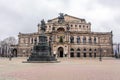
{"x":24,"y":15}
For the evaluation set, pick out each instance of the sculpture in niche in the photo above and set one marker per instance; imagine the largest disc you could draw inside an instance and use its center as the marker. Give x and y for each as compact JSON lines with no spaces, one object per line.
{"x":95,"y":40}
{"x":71,"y":39}
{"x":67,"y":27}
{"x":84,"y":40}
{"x":78,"y":39}
{"x":90,"y":40}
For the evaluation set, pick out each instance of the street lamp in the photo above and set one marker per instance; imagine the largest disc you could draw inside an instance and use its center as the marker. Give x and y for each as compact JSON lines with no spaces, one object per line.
{"x":50,"y":45}
{"x":10,"y":54}
{"x":100,"y":57}
{"x":118,"y":51}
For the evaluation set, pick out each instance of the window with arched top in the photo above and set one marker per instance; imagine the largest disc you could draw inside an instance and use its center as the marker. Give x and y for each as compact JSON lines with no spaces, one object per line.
{"x":79,"y":26}
{"x":87,"y":26}
{"x":84,"y":49}
{"x":75,"y":25}
{"x":90,"y":49}
{"x":83,"y":26}
{"x":95,"y":49}
{"x":78,"y":49}
{"x":71,"y":49}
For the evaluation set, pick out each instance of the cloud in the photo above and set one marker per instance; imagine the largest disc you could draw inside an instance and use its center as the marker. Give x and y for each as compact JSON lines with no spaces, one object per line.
{"x":110,"y":3}
{"x":24,"y":15}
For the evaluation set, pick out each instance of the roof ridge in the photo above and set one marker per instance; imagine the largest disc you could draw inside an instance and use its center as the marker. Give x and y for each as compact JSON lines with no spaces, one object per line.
{"x":67,"y":15}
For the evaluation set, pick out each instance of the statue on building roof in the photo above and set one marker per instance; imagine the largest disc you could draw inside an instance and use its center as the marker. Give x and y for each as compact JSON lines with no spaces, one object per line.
{"x":61,"y":18}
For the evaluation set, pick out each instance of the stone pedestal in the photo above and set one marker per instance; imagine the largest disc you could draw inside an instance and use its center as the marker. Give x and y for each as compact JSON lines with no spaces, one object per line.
{"x":41,"y":51}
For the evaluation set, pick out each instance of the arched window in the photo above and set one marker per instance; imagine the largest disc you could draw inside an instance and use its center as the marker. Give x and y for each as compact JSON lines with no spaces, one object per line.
{"x":71,"y":49}
{"x":90,"y":40}
{"x":71,"y":39}
{"x":90,"y":49}
{"x":84,"y":39}
{"x":79,"y":26}
{"x":87,"y":26}
{"x":75,"y":25}
{"x":72,"y":52}
{"x":95,"y":40}
{"x":78,"y":39}
{"x":84,"y":49}
{"x":95,"y":49}
{"x":83,"y":26}
{"x":78,"y":49}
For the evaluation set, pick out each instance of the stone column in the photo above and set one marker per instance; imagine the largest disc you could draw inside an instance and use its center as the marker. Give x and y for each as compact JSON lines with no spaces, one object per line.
{"x":37,"y":39}
{"x":75,"y":39}
{"x":33,"y":40}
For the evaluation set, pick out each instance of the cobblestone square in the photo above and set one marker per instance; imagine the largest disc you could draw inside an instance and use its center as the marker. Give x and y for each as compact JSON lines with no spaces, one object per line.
{"x":67,"y":69}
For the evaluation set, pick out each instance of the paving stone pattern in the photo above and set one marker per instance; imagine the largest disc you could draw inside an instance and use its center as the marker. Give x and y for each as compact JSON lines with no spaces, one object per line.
{"x":67,"y":69}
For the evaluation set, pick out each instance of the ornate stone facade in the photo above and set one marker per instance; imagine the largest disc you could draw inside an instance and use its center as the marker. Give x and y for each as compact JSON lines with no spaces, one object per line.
{"x":70,"y":37}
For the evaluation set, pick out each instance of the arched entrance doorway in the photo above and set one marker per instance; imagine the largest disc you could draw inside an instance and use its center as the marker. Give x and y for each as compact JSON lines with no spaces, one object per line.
{"x":14,"y":53}
{"x":84,"y":54}
{"x":60,"y":52}
{"x":71,"y":54}
{"x":94,"y":54}
{"x":78,"y":54}
{"x":90,"y":54}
